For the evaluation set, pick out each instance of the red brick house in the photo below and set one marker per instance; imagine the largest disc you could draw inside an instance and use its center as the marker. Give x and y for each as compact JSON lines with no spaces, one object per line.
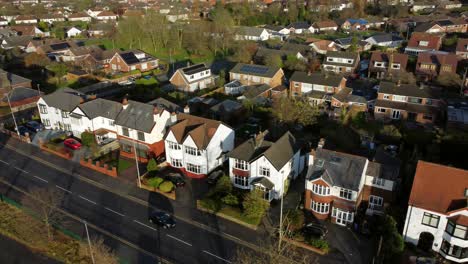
{"x":423,"y":42}
{"x":126,"y":61}
{"x":383,"y":64}
{"x":430,"y":65}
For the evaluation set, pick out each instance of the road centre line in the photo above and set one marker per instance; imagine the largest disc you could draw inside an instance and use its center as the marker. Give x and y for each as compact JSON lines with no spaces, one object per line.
{"x":145,"y":225}
{"x":23,"y":171}
{"x":108,"y":209}
{"x":86,"y":199}
{"x":39,"y":178}
{"x":4,"y":162}
{"x":63,"y":189}
{"x":178,"y":239}
{"x":218,"y":257}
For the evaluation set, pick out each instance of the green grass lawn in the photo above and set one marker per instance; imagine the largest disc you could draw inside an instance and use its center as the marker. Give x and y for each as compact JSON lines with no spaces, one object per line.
{"x":146,"y":82}
{"x":237,"y":213}
{"x":123,"y":165}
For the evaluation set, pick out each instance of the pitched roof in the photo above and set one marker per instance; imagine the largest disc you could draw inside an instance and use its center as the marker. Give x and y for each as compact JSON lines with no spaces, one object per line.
{"x":379,"y":38}
{"x":417,"y":37}
{"x":250,"y":31}
{"x":338,"y":168}
{"x":13,"y":78}
{"x":21,"y":93}
{"x":343,"y":54}
{"x":462,"y":45}
{"x":437,"y":58}
{"x":299,"y":25}
{"x":106,"y":13}
{"x":200,"y":129}
{"x":325,"y":24}
{"x":101,"y":107}
{"x":385,"y":57}
{"x":264,"y":52}
{"x":439,"y":188}
{"x":166,"y":104}
{"x":422,"y":91}
{"x":65,"y":99}
{"x":78,"y":15}
{"x":25,"y":29}
{"x":255,"y":69}
{"x":409,"y":107}
{"x":278,"y":153}
{"x":137,"y":116}
{"x":317,"y":78}
{"x":253,"y":91}
{"x":265,"y":182}
{"x":226,"y":106}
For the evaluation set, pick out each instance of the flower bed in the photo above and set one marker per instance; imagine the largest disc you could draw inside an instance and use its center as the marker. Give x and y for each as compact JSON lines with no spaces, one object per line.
{"x":166,"y":190}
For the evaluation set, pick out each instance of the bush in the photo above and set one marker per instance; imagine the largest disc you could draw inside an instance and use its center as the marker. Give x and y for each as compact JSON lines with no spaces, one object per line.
{"x":152,"y":166}
{"x":211,"y":204}
{"x":230,"y":199}
{"x":87,"y":139}
{"x":155,"y":182}
{"x":223,"y":185}
{"x":319,"y":243}
{"x":254,"y":205}
{"x":166,"y":186}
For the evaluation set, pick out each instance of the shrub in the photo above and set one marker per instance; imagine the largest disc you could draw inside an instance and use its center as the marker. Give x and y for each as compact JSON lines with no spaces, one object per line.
{"x":319,"y":243}
{"x":230,"y":199}
{"x":210,"y":204}
{"x":166,"y":186}
{"x":155,"y":182}
{"x":254,"y":205}
{"x":152,"y":166}
{"x":87,"y":139}
{"x":295,"y":219}
{"x":223,"y":185}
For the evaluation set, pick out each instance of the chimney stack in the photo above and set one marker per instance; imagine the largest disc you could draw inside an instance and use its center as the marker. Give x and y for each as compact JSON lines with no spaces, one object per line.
{"x":321,"y":143}
{"x":187,"y":109}
{"x":125,"y":102}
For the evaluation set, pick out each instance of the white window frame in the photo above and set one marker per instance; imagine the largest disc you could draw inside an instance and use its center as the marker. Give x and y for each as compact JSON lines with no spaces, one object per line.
{"x":320,"y":208}
{"x":264,"y":171}
{"x":192,"y":151}
{"x":241,"y":181}
{"x":173,"y":145}
{"x":375,"y":201}
{"x":43,"y":109}
{"x":320,"y":189}
{"x":193,"y":168}
{"x":46,"y":122}
{"x":176,"y":163}
{"x":346,"y":194}
{"x":378,"y":181}
{"x":386,"y":97}
{"x":241,"y":165}
{"x":381,"y":110}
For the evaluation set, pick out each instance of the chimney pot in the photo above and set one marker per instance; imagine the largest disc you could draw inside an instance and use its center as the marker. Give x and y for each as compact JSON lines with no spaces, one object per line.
{"x":321,"y":143}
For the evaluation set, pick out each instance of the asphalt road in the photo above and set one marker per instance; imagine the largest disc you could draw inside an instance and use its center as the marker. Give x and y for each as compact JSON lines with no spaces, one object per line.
{"x":122,"y":217}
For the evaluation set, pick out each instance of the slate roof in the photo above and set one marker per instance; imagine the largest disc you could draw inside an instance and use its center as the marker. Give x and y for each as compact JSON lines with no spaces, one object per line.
{"x":226,"y":106}
{"x":338,"y":169}
{"x":166,"y":104}
{"x":137,"y":116}
{"x":65,"y":99}
{"x":408,"y":90}
{"x":101,"y":107}
{"x":265,"y":182}
{"x":317,"y":78}
{"x":278,"y":153}
{"x":250,"y":31}
{"x":21,"y":93}
{"x":259,"y":70}
{"x":200,"y":129}
{"x":379,"y":38}
{"x":299,"y":25}
{"x":253,"y":91}
{"x":193,"y":69}
{"x":13,"y":78}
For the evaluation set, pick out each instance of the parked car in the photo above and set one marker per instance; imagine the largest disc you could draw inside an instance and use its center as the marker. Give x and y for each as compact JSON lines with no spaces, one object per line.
{"x":147,"y":77}
{"x":314,"y":229}
{"x":162,"y":219}
{"x":214,"y":176}
{"x":176,"y":179}
{"x":23,"y":130}
{"x":34,"y":126}
{"x":72,"y":143}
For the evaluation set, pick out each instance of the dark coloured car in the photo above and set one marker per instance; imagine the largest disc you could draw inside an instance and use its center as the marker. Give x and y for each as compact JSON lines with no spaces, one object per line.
{"x":214,"y":177}
{"x":34,"y":126}
{"x":162,"y":219}
{"x":176,"y":179}
{"x":23,"y":130}
{"x":314,"y":229}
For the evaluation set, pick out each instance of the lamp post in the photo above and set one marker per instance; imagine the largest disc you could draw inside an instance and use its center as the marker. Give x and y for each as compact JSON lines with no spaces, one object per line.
{"x":12,"y":114}
{"x":89,"y":242}
{"x":136,"y":162}
{"x":281,"y":218}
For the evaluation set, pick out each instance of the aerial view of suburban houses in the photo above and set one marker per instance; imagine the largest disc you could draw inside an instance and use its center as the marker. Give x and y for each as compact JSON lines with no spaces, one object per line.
{"x":259,"y":131}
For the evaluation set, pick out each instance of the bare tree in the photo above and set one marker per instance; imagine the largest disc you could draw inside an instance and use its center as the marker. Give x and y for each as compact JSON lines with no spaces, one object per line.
{"x":101,"y":252}
{"x":45,"y":202}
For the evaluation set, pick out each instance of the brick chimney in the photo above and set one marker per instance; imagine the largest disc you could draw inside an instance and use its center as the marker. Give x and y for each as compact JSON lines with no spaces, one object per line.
{"x":187,"y":109}
{"x":125,"y":102}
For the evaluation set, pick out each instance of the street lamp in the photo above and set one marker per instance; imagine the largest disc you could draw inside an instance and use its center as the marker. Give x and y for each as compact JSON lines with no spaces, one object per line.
{"x":12,"y":114}
{"x":136,"y":161}
{"x":281,"y":218}
{"x":89,"y":242}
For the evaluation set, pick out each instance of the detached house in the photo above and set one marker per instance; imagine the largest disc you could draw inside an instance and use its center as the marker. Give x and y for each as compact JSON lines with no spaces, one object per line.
{"x":385,"y":40}
{"x":252,"y":33}
{"x":355,"y":24}
{"x":430,"y":65}
{"x":300,"y":27}
{"x":437,"y":214}
{"x":250,"y":74}
{"x":316,"y":86}
{"x":25,"y":19}
{"x":384,"y":64}
{"x":265,"y":165}
{"x":423,"y":42}
{"x":337,"y":184}
{"x":81,"y":16}
{"x":197,"y":145}
{"x":407,"y":102}
{"x":193,"y":78}
{"x":324,"y":26}
{"x":106,"y":15}
{"x":341,"y":62}
{"x":126,"y":61}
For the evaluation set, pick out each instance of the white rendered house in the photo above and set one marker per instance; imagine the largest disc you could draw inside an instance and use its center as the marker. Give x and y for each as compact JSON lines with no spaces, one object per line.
{"x":198,"y":145}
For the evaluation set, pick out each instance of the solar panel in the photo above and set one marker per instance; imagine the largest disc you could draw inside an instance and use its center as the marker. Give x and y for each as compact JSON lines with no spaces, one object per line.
{"x":254,"y":69}
{"x":60,"y":46}
{"x":129,"y":58}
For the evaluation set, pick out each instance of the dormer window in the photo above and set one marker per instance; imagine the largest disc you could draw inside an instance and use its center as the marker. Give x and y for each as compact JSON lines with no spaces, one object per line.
{"x":395,"y":66}
{"x":386,"y":96}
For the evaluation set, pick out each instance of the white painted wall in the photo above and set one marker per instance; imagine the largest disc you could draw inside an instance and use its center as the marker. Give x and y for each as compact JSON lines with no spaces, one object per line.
{"x":54,"y":116}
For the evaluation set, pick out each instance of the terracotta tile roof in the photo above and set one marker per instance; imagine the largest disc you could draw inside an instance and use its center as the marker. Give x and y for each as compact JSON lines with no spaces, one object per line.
{"x":433,"y":40}
{"x":106,"y":13}
{"x":201,"y":130}
{"x":25,"y":30}
{"x":438,"y":59}
{"x":325,"y":24}
{"x":460,"y":219}
{"x":439,"y":188}
{"x":326,"y":45}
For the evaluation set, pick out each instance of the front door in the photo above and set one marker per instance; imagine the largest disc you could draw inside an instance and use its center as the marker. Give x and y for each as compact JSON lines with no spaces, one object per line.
{"x":396,"y":114}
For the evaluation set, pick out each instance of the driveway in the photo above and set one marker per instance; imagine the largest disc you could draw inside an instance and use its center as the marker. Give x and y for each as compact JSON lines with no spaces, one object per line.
{"x":45,"y":135}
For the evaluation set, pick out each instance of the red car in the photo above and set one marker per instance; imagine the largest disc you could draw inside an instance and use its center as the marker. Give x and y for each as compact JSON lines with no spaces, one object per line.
{"x":72,"y":143}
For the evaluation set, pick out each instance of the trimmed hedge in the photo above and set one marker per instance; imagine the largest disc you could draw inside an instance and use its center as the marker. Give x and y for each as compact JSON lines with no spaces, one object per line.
{"x":155,"y":182}
{"x":166,"y":186}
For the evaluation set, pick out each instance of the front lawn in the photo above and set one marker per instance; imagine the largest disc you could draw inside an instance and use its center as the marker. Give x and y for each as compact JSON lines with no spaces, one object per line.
{"x":123,"y":164}
{"x":146,"y":82}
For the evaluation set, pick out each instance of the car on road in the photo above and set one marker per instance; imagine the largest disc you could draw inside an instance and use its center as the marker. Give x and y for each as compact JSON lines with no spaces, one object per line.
{"x":162,"y":219}
{"x":214,"y":177}
{"x":176,"y":179}
{"x":72,"y":143}
{"x":34,"y":126}
{"x":314,"y":229}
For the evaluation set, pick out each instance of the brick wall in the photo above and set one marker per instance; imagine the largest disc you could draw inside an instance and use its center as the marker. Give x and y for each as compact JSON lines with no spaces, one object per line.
{"x":97,"y":167}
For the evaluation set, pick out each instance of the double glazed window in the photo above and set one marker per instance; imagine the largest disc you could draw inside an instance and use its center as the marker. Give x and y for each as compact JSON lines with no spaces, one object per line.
{"x":375,"y":201}
{"x":141,"y":136}
{"x":193,"y":168}
{"x":241,"y":165}
{"x":455,"y":230}
{"x":176,"y":163}
{"x":241,"y":181}
{"x":192,"y":151}
{"x":263,"y":171}
{"x":378,"y":181}
{"x":320,"y":189}
{"x":321,"y":208}
{"x":42,"y":109}
{"x":346,"y":194}
{"x":64,"y":114}
{"x":125,"y":132}
{"x":173,"y":145}
{"x":430,"y":220}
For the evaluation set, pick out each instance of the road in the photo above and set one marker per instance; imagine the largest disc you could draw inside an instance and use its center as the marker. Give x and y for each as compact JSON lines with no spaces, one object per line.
{"x":120,"y":216}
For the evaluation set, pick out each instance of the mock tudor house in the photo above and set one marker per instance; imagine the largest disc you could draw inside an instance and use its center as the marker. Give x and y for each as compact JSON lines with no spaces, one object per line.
{"x":316,"y":86}
{"x":437,"y":214}
{"x":423,"y":42}
{"x":341,"y":62}
{"x":193,"y":78}
{"x":338,"y":184}
{"x":251,"y":74}
{"x":126,"y":61}
{"x":430,"y":65}
{"x":266,"y":166}
{"x":408,"y":102}
{"x":384,"y":64}
{"x":197,"y":145}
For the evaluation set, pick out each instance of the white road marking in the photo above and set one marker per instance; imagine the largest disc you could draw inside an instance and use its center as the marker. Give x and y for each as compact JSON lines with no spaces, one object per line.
{"x":180,"y":240}
{"x":113,"y":211}
{"x":145,"y":225}
{"x":23,"y":171}
{"x":63,"y":189}
{"x":218,"y":257}
{"x":4,"y":162}
{"x":39,"y":178}
{"x":86,"y":199}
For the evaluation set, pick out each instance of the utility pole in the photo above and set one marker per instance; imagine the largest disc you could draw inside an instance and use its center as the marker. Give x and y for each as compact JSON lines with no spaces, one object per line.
{"x":12,"y":114}
{"x":281,"y":218}
{"x":136,"y":162}
{"x":89,"y":242}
